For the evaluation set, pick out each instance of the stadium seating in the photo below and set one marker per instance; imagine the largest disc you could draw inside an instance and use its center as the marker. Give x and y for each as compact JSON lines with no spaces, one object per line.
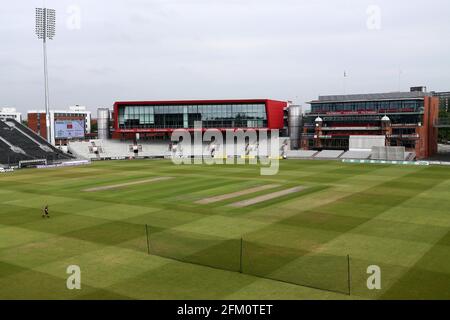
{"x":35,"y":137}
{"x":410,"y":156}
{"x":112,"y":149}
{"x":329,"y":154}
{"x":156,"y":149}
{"x":7,"y":156}
{"x":388,"y":153}
{"x":356,"y":154}
{"x":18,"y":143}
{"x":301,"y":154}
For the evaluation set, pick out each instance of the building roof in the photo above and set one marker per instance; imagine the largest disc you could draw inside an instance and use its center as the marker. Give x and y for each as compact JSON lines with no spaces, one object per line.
{"x":372,"y":97}
{"x":442,"y":94}
{"x":187,"y":102}
{"x":61,"y":111}
{"x":8,"y":110}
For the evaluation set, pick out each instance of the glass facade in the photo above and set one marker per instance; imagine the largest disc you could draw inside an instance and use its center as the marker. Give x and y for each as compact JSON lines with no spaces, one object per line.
{"x":377,"y":106}
{"x":183,"y":116}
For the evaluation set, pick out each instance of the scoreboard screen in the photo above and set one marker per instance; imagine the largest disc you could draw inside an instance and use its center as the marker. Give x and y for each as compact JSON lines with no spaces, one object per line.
{"x":66,"y":129}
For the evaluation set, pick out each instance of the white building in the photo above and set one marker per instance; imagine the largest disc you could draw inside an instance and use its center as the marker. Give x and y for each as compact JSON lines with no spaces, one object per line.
{"x":10,"y":113}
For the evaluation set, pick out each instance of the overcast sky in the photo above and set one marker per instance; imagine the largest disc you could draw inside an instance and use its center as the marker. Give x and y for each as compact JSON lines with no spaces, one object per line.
{"x":110,"y":50}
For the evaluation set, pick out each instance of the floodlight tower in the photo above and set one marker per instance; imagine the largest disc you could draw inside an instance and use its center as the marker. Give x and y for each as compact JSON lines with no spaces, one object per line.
{"x":45,"y":29}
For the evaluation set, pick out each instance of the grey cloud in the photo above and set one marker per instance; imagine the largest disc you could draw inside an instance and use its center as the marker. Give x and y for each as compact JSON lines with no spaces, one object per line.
{"x":176,"y":49}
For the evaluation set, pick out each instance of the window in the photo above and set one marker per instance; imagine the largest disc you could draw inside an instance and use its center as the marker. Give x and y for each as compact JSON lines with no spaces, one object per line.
{"x":184,"y":116}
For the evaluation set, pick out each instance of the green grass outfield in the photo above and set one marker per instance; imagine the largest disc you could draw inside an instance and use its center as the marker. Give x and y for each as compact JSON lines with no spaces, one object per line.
{"x":396,"y":217}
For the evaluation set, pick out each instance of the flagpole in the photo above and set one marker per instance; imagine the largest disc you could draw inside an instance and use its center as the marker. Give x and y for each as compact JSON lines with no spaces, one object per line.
{"x":345,"y":82}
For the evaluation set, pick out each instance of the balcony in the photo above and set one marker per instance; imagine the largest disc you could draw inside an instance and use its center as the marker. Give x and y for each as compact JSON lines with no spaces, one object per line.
{"x":414,"y":136}
{"x":380,"y":112}
{"x":405,"y":125}
{"x":367,"y":128}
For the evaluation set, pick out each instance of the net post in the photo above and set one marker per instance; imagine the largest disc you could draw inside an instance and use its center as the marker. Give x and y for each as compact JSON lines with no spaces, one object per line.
{"x":148,"y":243}
{"x":348,"y":275}
{"x":240,"y":258}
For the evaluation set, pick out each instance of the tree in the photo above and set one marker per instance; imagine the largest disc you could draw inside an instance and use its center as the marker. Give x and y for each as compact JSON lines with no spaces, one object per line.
{"x":94,"y":127}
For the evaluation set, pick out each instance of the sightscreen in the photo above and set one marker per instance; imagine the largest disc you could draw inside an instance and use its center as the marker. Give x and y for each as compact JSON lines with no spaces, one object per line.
{"x":66,"y":129}
{"x":357,"y":143}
